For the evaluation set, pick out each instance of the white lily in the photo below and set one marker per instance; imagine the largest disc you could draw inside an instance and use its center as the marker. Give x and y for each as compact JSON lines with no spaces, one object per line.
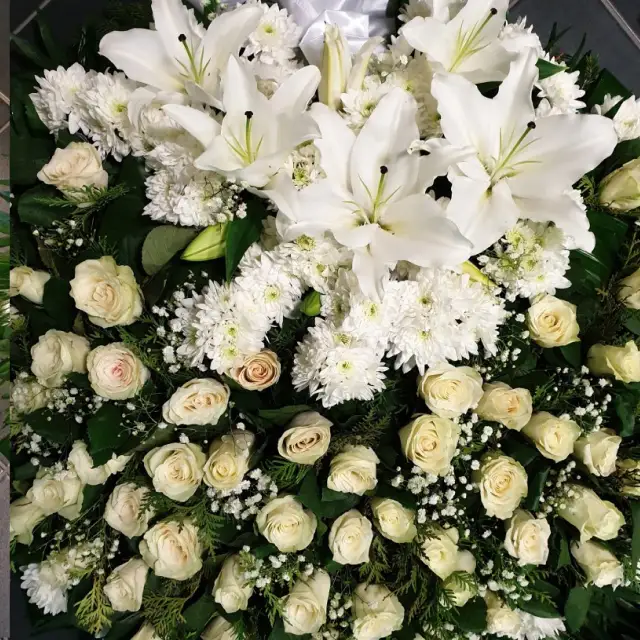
{"x":373,"y":199}
{"x":468,"y":44}
{"x":180,"y":55}
{"x":516,"y":167}
{"x":339,"y":71}
{"x":257,"y":133}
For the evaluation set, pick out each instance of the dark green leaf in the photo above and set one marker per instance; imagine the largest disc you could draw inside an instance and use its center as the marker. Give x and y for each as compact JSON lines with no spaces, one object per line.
{"x":106,"y":433}
{"x":33,"y":211}
{"x":625,"y":404}
{"x":635,"y":536}
{"x":53,"y":49}
{"x":162,"y":243}
{"x":283,"y":416}
{"x":278,"y":633}
{"x":198,"y":614}
{"x":547,"y":69}
{"x":539,"y":608}
{"x":536,"y":485}
{"x":523,"y":452}
{"x":58,"y":303}
{"x":52,"y":427}
{"x":564,"y":555}
{"x":30,"y":52}
{"x":28,"y":156}
{"x":241,"y":234}
{"x":473,"y":616}
{"x":606,"y":83}
{"x":572,"y":353}
{"x":632,"y":322}
{"x":577,"y":607}
{"x":125,"y":628}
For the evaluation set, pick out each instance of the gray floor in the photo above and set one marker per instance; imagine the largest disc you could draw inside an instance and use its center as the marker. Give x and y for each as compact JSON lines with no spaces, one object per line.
{"x":613,"y":31}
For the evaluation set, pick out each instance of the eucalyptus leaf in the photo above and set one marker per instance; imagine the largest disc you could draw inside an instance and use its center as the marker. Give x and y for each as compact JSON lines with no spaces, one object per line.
{"x":162,"y":243}
{"x":577,"y":607}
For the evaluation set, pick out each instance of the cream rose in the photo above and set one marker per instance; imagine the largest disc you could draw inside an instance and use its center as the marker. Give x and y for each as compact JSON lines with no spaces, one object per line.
{"x":628,"y":471}
{"x":230,"y":589}
{"x":228,"y":459}
{"x":147,"y":632}
{"x":284,"y":522}
{"x":377,"y":612}
{"x":82,"y":463}
{"x":125,"y":585}
{"x":510,"y":407}
{"x":393,"y":521}
{"x":28,"y":396}
{"x":24,"y":517}
{"x":450,"y":391}
{"x":598,"y":451}
{"x":176,"y":469}
{"x":115,"y":372}
{"x":56,"y":354}
{"x":601,"y":567}
{"x":106,"y":292}
{"x":503,"y":485}
{"x":350,"y":538}
{"x":554,"y":437}
{"x":620,"y":189}
{"x":629,"y":291}
{"x":172,"y":550}
{"x":430,"y":443}
{"x":353,"y":470}
{"x":592,"y":516}
{"x":439,"y":551}
{"x":623,"y":363}
{"x":71,"y":169}
{"x":306,"y":439}
{"x":258,"y":372}
{"x":219,"y":629}
{"x":57,"y":492}
{"x":124,"y":510}
{"x":502,"y":620}
{"x":527,"y":538}
{"x":200,"y":401}
{"x":305,"y":608}
{"x":28,"y":283}
{"x":552,"y":322}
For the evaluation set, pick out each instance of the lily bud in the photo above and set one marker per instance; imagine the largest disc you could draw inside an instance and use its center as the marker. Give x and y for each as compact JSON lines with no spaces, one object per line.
{"x":208,"y":245}
{"x":361,"y":63}
{"x":336,"y":65}
{"x":312,"y":304}
{"x":620,"y":190}
{"x":476,"y":275}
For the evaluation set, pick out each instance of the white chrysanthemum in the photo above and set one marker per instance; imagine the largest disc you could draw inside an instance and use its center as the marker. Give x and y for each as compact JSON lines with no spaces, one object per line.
{"x":270,"y":76}
{"x":358,"y":104}
{"x":516,"y":36}
{"x":53,"y":98}
{"x":559,"y":93}
{"x":627,"y":119}
{"x":534,"y":628}
{"x":532,"y":258}
{"x":47,"y":585}
{"x":438,"y":9}
{"x":304,"y":165}
{"x":100,"y":111}
{"x":276,"y":36}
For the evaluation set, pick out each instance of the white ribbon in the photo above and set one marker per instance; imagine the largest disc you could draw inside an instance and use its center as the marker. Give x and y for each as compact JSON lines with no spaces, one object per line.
{"x":358,"y":20}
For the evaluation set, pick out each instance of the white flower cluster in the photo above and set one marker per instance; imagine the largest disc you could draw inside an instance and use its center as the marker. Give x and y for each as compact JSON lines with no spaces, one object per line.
{"x":531,"y":259}
{"x":559,"y":92}
{"x":626,"y":120}
{"x":282,"y":569}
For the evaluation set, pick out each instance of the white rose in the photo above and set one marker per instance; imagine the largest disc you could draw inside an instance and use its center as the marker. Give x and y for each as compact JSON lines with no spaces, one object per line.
{"x":629,"y":473}
{"x":306,"y":439}
{"x":350,"y":538}
{"x":28,"y":283}
{"x":305,"y":608}
{"x":554,"y":437}
{"x":439,"y":551}
{"x":228,"y":459}
{"x":527,"y":538}
{"x":394,"y":521}
{"x":125,"y":585}
{"x":198,"y":402}
{"x":629,"y":291}
{"x":24,"y":516}
{"x":28,"y":396}
{"x":284,"y":522}
{"x":503,"y":484}
{"x":257,"y":372}
{"x":450,"y":391}
{"x":353,"y":470}
{"x":601,"y":567}
{"x":501,"y":620}
{"x":147,"y":632}
{"x":82,"y":463}
{"x":59,"y":492}
{"x":115,"y":372}
{"x":219,"y":629}
{"x":378,"y":613}
{"x":176,"y":469}
{"x":71,"y":169}
{"x":124,"y":511}
{"x":106,"y":292}
{"x":56,"y":354}
{"x":592,"y":516}
{"x":623,"y":363}
{"x":230,"y":589}
{"x":510,"y":407}
{"x":620,"y":189}
{"x":552,"y":322}
{"x":598,"y":451}
{"x":172,"y":550}
{"x":430,"y":443}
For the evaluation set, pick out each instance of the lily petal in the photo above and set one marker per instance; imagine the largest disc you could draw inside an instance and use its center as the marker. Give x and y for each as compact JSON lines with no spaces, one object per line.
{"x":240,"y":90}
{"x":442,"y":156}
{"x":295,"y":93}
{"x":200,"y":125}
{"x":171,"y":20}
{"x":361,"y":62}
{"x":370,"y":273}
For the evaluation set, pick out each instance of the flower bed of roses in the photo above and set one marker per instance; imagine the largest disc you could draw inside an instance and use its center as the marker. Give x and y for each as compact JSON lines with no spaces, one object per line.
{"x":246,"y":405}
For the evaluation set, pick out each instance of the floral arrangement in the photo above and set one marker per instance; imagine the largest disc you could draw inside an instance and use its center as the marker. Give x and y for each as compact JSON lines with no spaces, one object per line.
{"x":324,"y":335}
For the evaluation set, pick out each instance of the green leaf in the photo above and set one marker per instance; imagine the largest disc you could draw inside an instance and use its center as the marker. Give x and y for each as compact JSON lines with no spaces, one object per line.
{"x":197,"y":615}
{"x":32,"y":211}
{"x":632,"y":322}
{"x":523,"y":452}
{"x":105,"y":429}
{"x":241,"y":234}
{"x":564,"y":555}
{"x":547,"y":69}
{"x":52,"y":427}
{"x":536,"y":485}
{"x":635,"y":536}
{"x":30,"y":52}
{"x":572,"y":353}
{"x":28,"y":156}
{"x":473,"y":616}
{"x":283,"y":416}
{"x":58,"y":303}
{"x":278,"y":633}
{"x":625,"y":404}
{"x":606,"y":83}
{"x":539,"y":608}
{"x":162,"y":243}
{"x":577,"y":607}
